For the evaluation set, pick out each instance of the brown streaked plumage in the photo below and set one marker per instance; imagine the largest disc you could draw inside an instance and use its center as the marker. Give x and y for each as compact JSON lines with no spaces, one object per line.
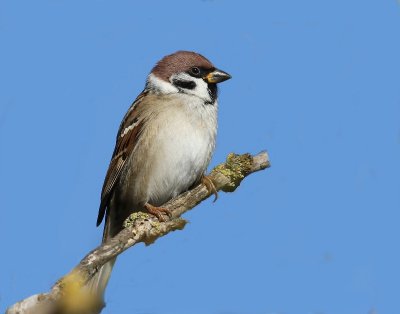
{"x":164,"y":144}
{"x":125,"y":142}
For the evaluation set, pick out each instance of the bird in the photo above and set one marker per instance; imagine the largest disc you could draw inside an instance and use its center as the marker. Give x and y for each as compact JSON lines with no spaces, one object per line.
{"x":163,"y":146}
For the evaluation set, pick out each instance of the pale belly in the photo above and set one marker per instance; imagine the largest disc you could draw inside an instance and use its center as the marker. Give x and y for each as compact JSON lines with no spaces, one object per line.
{"x":179,"y":163}
{"x":171,"y":161}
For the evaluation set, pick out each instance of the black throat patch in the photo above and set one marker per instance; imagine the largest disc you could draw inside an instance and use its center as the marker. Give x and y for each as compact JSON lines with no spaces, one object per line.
{"x":213,"y":92}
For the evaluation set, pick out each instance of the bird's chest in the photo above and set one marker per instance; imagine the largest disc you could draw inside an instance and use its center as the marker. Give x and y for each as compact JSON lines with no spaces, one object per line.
{"x":175,"y":148}
{"x":182,"y":150}
{"x":183,"y":147}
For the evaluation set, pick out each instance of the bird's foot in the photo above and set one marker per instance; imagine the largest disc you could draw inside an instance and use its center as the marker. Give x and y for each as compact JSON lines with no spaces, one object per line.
{"x":207,"y":181}
{"x":158,"y":211}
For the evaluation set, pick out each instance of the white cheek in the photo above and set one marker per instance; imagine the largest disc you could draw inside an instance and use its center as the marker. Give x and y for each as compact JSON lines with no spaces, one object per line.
{"x":153,"y":82}
{"x":201,"y":89}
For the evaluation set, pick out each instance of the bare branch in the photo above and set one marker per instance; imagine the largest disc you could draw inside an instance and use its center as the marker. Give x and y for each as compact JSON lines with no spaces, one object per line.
{"x":139,"y":227}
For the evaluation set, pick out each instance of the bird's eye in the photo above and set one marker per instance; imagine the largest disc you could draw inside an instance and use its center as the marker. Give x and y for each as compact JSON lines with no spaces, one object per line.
{"x":195,"y":70}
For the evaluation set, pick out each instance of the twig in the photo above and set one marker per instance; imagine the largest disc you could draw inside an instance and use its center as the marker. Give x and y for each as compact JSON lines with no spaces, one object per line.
{"x":139,"y":227}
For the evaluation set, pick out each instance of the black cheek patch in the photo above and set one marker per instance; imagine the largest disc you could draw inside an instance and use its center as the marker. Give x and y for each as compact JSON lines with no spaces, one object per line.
{"x":184,"y":84}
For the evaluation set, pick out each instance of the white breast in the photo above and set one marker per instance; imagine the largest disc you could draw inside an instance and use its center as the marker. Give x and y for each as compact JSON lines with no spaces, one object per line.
{"x":181,"y":146}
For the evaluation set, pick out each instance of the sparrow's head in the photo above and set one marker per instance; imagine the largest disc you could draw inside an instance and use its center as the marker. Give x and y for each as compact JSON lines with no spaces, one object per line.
{"x":186,"y":72}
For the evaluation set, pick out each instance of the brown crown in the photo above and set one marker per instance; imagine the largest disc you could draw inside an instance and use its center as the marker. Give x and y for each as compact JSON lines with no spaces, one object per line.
{"x":180,"y":61}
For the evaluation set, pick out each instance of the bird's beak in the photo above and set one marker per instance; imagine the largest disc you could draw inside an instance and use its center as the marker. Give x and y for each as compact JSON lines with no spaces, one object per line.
{"x":217,"y":76}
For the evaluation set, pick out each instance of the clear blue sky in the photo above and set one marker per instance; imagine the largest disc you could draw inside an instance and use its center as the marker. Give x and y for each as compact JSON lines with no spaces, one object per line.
{"x":316,"y":83}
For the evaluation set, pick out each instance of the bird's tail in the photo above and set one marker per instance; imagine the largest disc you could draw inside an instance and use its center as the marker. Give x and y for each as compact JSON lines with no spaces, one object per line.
{"x":97,"y":285}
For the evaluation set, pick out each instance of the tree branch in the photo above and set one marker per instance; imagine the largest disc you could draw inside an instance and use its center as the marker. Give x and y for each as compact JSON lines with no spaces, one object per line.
{"x":67,"y":295}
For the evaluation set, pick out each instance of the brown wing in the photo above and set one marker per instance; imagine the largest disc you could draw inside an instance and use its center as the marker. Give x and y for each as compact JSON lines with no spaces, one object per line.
{"x":125,"y":142}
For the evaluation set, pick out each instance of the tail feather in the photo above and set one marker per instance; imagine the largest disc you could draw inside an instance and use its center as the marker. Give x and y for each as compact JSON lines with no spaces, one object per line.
{"x":97,"y":285}
{"x":113,"y":224}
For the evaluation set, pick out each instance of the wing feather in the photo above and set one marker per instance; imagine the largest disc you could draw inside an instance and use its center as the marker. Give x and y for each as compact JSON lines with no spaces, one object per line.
{"x":128,"y":134}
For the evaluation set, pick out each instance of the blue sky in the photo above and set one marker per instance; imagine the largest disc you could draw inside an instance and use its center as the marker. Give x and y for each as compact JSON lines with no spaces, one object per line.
{"x":316,"y":83}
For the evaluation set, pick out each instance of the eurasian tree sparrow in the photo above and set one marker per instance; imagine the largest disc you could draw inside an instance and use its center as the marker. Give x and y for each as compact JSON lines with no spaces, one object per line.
{"x":164,"y":143}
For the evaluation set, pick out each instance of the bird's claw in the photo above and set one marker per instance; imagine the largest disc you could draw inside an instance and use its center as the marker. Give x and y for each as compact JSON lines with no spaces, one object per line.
{"x":207,"y":181}
{"x":158,"y":212}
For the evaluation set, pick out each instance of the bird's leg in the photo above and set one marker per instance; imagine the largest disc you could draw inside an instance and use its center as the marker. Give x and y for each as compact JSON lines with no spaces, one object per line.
{"x":207,"y":181}
{"x":157,"y":211}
